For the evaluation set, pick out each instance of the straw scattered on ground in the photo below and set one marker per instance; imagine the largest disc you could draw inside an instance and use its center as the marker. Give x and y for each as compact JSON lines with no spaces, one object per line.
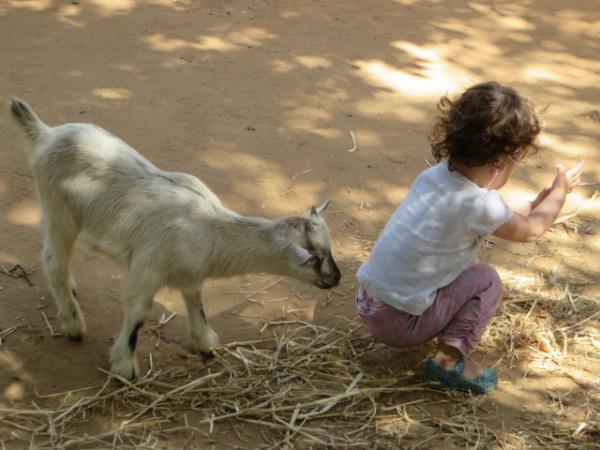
{"x":314,"y":386}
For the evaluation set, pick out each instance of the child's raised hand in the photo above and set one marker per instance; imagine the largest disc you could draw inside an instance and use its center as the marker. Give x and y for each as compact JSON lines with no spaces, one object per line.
{"x":574,"y":174}
{"x":567,"y":179}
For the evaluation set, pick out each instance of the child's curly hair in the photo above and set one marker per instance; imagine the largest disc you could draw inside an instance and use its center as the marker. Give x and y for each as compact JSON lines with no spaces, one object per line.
{"x":487,"y":124}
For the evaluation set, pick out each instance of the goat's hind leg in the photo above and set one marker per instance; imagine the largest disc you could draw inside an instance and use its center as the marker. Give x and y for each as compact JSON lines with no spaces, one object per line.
{"x":59,"y":242}
{"x":204,"y":338}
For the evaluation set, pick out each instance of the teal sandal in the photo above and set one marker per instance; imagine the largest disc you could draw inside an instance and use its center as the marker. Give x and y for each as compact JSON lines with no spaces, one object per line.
{"x":450,"y":378}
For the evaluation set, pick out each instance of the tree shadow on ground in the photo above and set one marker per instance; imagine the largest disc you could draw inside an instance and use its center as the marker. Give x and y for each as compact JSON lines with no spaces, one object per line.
{"x":258,"y":99}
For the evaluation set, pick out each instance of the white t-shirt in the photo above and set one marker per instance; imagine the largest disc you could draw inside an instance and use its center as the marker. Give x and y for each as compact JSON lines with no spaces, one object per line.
{"x":430,"y":239}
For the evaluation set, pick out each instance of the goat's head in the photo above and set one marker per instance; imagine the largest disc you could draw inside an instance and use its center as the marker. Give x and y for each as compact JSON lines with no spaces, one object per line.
{"x":308,"y":249}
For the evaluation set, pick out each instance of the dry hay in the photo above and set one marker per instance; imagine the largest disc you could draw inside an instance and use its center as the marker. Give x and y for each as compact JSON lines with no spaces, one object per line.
{"x":542,"y":317}
{"x":305,"y":384}
{"x":315,"y":386}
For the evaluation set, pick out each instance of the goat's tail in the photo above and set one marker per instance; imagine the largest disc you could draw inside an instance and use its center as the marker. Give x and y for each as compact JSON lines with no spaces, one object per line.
{"x":27,"y":119}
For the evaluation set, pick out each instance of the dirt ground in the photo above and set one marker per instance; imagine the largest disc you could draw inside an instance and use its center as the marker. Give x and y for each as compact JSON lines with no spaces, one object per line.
{"x":258,"y":99}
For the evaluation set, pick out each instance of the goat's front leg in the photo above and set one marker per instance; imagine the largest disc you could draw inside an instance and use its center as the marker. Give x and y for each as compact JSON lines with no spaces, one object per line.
{"x":204,"y":339}
{"x":138,"y":299}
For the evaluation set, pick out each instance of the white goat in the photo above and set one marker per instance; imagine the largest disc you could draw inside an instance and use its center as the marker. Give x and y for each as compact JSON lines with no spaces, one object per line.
{"x":167,"y":228}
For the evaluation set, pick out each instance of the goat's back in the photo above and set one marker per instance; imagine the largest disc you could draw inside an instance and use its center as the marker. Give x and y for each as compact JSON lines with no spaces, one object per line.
{"x":115,"y":197}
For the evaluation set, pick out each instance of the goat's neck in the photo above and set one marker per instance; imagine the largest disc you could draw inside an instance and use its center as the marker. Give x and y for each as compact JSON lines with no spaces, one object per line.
{"x":246,"y":245}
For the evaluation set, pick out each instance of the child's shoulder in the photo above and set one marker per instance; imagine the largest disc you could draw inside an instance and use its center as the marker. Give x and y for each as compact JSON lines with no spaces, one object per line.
{"x":440,"y":175}
{"x":436,"y":172}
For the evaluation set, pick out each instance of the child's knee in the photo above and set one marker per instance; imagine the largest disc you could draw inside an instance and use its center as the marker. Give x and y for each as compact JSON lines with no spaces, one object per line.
{"x":488,"y":274}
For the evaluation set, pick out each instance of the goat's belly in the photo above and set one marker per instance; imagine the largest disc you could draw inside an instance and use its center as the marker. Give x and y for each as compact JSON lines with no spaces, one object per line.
{"x":105,"y":246}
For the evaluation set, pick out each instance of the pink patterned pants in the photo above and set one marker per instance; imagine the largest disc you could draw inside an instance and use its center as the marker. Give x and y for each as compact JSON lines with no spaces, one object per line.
{"x":458,"y":316}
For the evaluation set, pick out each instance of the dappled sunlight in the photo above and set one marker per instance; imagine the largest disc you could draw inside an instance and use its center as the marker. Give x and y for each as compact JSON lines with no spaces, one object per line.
{"x":368,"y":138}
{"x":513,"y":395}
{"x":564,"y":68}
{"x":112,"y":7}
{"x":162,"y":43}
{"x":582,"y":203}
{"x":299,"y":62}
{"x":109,"y":8}
{"x":245,"y":163}
{"x":518,"y":278}
{"x":394,"y":194}
{"x":264,"y":181}
{"x":7,"y":258}
{"x":313,"y":120}
{"x":290,"y":14}
{"x":234,"y":41}
{"x":537,"y":73}
{"x":112,"y":93}
{"x":26,"y":212}
{"x":394,"y":106}
{"x":32,"y":5}
{"x":251,"y":36}
{"x":312,"y":62}
{"x":435,"y":78}
{"x":575,"y":23}
{"x":11,"y":367}
{"x":258,"y":100}
{"x":104,"y":8}
{"x":275,"y":190}
{"x":578,"y":202}
{"x":171,"y":301}
{"x":281,"y":66}
{"x":503,"y":21}
{"x":68,"y":14}
{"x":575,"y":147}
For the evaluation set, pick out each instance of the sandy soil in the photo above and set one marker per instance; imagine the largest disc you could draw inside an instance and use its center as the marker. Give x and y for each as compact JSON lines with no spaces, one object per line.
{"x":257,"y":99}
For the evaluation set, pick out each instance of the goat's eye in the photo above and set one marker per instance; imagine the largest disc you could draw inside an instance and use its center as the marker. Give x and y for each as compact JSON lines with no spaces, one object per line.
{"x":312,"y":261}
{"x":314,"y":250}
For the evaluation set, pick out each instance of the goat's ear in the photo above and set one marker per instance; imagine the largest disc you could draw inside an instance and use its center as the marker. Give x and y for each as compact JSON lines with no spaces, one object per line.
{"x":322,"y":207}
{"x":297,"y":254}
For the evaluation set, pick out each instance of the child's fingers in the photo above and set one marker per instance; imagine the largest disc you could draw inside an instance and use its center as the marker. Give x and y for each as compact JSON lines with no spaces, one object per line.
{"x":576,"y":170}
{"x":575,"y":176}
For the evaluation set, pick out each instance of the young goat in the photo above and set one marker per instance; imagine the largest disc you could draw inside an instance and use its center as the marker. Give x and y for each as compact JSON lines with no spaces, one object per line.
{"x":167,"y":228}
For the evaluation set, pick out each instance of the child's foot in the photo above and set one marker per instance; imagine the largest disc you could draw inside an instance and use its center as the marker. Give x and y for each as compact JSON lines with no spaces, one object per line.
{"x":455,"y":378}
{"x":472,"y":369}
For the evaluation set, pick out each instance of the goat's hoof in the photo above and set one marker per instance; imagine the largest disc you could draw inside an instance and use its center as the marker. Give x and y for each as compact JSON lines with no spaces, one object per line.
{"x":74,"y":329}
{"x":208,"y":354}
{"x":125,"y":367}
{"x":75,"y":337}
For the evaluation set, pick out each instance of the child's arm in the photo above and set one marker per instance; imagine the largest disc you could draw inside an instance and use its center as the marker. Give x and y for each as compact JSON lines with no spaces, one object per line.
{"x":544,"y":209}
{"x":526,"y":208}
